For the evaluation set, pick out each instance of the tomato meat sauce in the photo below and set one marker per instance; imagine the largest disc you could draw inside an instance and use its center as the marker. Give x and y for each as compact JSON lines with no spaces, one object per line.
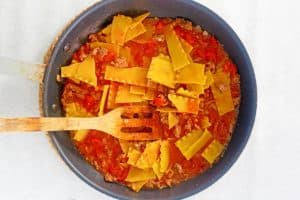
{"x":197,"y":115}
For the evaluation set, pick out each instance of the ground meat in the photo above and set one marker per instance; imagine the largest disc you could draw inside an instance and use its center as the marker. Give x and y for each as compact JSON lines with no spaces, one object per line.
{"x":108,"y":177}
{"x":177,"y":131}
{"x":159,"y":38}
{"x":120,"y":62}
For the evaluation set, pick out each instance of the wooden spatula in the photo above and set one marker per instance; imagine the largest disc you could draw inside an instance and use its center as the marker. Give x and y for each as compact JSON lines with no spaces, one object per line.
{"x":127,"y":123}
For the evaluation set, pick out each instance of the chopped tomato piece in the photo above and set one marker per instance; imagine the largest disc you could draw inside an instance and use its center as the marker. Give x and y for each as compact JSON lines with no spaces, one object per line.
{"x":160,"y":100}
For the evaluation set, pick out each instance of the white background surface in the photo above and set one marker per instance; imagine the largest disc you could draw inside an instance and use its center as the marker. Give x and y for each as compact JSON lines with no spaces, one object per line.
{"x":30,"y":169}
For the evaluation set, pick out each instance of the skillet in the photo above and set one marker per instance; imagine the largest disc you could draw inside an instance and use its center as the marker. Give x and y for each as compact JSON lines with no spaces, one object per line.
{"x":98,"y":16}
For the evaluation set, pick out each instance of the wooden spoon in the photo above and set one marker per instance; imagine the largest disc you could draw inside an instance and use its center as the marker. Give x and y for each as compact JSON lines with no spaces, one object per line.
{"x":112,"y":123}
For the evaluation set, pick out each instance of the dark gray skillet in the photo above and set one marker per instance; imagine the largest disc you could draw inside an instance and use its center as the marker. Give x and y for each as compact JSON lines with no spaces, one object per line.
{"x":101,"y":14}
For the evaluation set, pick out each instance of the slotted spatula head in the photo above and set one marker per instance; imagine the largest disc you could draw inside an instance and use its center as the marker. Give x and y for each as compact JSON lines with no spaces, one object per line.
{"x":132,"y":123}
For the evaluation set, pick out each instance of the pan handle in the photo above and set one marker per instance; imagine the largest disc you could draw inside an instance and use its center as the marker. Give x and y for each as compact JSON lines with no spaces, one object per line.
{"x":28,"y":70}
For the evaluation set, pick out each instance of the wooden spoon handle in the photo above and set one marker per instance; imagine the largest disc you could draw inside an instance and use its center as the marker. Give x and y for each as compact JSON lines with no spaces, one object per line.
{"x":48,"y":124}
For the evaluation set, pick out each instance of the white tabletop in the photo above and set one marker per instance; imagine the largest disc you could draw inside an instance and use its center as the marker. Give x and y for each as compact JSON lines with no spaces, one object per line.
{"x":31,"y":169}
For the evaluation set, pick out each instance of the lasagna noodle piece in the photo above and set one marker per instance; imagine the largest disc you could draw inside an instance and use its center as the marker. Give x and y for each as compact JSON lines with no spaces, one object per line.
{"x":136,"y":175}
{"x":120,"y":26}
{"x":187,"y":48}
{"x":111,"y":99}
{"x":209,"y":79}
{"x":205,"y":123}
{"x":79,"y":135}
{"x":149,"y":95}
{"x":124,"y":96}
{"x":137,"y":186}
{"x":196,"y":89}
{"x":222,"y":92}
{"x":191,"y":143}
{"x":137,"y":90}
{"x":161,"y":71}
{"x":156,"y":169}
{"x":198,"y":145}
{"x":125,"y":145}
{"x":149,"y":156}
{"x":164,"y":156}
{"x":103,"y":100}
{"x":186,"y":141}
{"x":84,"y":71}
{"x":178,"y":56}
{"x":139,"y":19}
{"x":134,"y":32}
{"x":126,"y":53}
{"x":107,"y":30}
{"x":129,"y":75}
{"x":185,"y":104}
{"x":187,"y":93}
{"x":191,"y":74}
{"x":133,"y":156}
{"x":172,"y":119}
{"x":136,"y":28}
{"x":76,"y":110}
{"x":213,"y":151}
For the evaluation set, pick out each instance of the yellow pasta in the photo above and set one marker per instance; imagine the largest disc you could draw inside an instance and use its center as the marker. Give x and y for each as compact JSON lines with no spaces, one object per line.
{"x":185,"y":104}
{"x":150,"y":94}
{"x":209,"y":80}
{"x":75,"y":110}
{"x":186,"y":141}
{"x":137,"y":90}
{"x":133,"y":156}
{"x":136,"y":28}
{"x":84,"y":71}
{"x":197,"y":89}
{"x":139,"y":19}
{"x":120,"y":26}
{"x":198,"y":145}
{"x":125,"y":145}
{"x":213,"y":151}
{"x":126,"y":53}
{"x":111,"y":99}
{"x":172,"y":119}
{"x":187,"y":48}
{"x":149,"y":156}
{"x":187,"y":93}
{"x":205,"y":123}
{"x":164,"y":156}
{"x":136,"y":174}
{"x":107,"y":30}
{"x":156,"y":169}
{"x":222,"y":92}
{"x":191,"y":74}
{"x":161,"y":71}
{"x":134,"y":32}
{"x":103,"y":100}
{"x":138,"y":75}
{"x":190,"y":144}
{"x":79,"y":135}
{"x":178,"y":56}
{"x":69,"y":71}
{"x":124,"y":96}
{"x":137,"y":186}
